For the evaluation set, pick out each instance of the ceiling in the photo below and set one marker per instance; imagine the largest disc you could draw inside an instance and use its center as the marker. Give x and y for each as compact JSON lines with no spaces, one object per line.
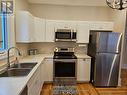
{"x":71,"y":2}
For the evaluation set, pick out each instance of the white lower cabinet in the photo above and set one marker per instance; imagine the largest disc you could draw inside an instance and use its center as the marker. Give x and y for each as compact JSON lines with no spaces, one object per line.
{"x":42,"y":73}
{"x":83,"y":70}
{"x":48,"y":64}
{"x":34,"y":84}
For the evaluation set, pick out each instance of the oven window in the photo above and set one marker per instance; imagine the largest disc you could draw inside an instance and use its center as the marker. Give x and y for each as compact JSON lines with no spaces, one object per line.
{"x":64,"y":69}
{"x":63,"y":35}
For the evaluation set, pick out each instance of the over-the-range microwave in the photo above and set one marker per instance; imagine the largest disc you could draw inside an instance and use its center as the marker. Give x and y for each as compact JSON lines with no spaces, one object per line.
{"x":65,"y":35}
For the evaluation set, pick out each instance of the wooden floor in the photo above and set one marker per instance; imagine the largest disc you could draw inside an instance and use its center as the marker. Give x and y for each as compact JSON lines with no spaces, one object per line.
{"x":88,"y":89}
{"x":82,"y":89}
{"x":112,"y":91}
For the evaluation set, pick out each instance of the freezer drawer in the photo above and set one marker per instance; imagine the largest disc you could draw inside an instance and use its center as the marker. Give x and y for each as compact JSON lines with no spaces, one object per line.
{"x":106,"y":69}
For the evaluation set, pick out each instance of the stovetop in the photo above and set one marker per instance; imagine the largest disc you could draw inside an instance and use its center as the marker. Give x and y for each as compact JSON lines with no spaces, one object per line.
{"x":63,"y":55}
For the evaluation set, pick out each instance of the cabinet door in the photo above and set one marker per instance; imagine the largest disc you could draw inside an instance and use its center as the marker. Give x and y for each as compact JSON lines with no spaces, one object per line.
{"x":83,"y":70}
{"x":39,"y":30}
{"x":48,"y":69}
{"x":101,"y":26}
{"x":42,"y":73}
{"x":62,"y":24}
{"x":24,"y":26}
{"x":50,"y":31}
{"x":82,"y":32}
{"x":34,"y":84}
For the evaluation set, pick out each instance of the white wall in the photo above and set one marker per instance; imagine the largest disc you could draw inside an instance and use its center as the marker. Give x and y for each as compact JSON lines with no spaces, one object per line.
{"x":70,"y":12}
{"x":21,"y":5}
{"x":119,"y":18}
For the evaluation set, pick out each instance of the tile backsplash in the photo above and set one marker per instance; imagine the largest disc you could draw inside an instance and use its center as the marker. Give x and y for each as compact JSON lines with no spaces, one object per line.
{"x":47,"y":48}
{"x":23,"y":47}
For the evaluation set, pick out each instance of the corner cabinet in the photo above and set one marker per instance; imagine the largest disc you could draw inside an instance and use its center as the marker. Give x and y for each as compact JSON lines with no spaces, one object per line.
{"x":83,"y":70}
{"x":24,"y":27}
{"x":83,"y":32}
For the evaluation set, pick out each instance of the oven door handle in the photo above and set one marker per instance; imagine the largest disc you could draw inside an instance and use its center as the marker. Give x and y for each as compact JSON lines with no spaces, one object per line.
{"x":65,"y":60}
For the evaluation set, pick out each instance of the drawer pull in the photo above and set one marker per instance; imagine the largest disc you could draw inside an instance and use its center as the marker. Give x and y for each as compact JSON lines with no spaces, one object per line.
{"x":84,"y":59}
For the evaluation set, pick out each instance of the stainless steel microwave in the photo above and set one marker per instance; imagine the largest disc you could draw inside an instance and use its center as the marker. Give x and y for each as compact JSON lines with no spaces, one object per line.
{"x":65,"y":35}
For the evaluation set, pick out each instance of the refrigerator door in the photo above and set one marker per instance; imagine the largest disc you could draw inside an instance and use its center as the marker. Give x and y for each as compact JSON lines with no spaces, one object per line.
{"x":106,"y":69}
{"x":108,"y":42}
{"x":97,"y":42}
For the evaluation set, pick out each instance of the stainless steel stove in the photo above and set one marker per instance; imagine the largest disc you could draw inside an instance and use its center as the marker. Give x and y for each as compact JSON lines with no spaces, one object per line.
{"x":65,"y":64}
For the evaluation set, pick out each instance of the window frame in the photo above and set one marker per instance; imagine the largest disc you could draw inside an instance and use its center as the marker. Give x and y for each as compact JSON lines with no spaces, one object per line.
{"x":4,"y":33}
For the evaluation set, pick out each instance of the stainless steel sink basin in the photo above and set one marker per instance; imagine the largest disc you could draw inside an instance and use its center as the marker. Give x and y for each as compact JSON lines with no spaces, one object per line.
{"x":21,"y":69}
{"x":24,"y":65}
{"x":14,"y":72}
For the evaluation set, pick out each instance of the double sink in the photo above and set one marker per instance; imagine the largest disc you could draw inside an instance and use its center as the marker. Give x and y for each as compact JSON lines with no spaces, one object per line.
{"x":21,"y":69}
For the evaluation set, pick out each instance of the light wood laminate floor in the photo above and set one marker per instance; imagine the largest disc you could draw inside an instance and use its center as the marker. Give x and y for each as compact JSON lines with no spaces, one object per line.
{"x":82,"y":89}
{"x":88,"y":89}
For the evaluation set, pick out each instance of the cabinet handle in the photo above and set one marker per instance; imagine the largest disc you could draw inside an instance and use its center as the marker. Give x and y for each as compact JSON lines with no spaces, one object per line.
{"x":84,"y":59}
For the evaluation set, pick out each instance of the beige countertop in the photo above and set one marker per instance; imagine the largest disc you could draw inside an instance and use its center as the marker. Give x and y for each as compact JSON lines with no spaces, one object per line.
{"x":82,"y":56}
{"x":14,"y":85}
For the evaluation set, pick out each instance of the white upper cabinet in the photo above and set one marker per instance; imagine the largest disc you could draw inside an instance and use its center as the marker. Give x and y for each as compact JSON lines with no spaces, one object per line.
{"x":63,"y":24}
{"x":50,"y":31}
{"x":83,"y":32}
{"x":101,"y":25}
{"x":33,"y":29}
{"x":39,"y":30}
{"x":24,"y":27}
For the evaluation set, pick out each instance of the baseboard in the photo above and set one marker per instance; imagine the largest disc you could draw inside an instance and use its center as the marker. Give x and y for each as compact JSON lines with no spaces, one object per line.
{"x":124,"y":66}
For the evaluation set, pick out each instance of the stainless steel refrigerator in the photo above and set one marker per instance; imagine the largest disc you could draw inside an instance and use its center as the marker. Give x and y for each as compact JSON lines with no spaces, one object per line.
{"x":104,"y":48}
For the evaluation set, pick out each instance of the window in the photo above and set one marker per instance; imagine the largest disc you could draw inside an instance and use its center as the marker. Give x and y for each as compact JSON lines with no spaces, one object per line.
{"x":3,"y":32}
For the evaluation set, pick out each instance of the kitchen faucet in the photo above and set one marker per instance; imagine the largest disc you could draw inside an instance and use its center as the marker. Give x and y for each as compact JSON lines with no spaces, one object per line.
{"x":8,"y":55}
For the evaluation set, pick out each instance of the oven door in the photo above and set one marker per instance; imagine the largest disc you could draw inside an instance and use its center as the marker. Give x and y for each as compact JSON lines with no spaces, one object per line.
{"x":64,"y":68}
{"x":63,"y":36}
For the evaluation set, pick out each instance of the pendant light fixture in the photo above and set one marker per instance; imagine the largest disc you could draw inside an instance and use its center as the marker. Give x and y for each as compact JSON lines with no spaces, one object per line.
{"x":117,"y":4}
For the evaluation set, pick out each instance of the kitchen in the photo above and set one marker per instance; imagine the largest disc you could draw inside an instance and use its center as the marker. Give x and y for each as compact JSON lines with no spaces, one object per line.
{"x":32,"y":17}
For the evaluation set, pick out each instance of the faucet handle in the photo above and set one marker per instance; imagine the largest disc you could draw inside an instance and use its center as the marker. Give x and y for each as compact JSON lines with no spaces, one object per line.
{"x":16,"y":61}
